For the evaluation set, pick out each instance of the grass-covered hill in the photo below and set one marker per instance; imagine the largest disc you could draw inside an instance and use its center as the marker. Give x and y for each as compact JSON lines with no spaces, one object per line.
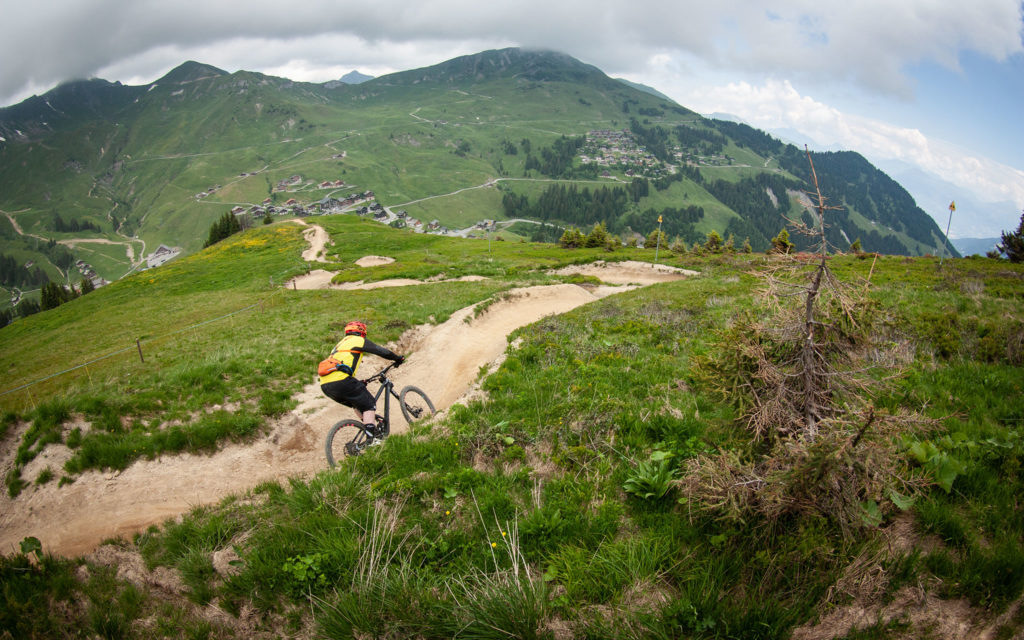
{"x":640,"y":467}
{"x":105,"y":173}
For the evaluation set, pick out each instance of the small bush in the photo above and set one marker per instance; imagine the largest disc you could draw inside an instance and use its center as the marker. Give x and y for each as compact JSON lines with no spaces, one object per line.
{"x":44,"y":476}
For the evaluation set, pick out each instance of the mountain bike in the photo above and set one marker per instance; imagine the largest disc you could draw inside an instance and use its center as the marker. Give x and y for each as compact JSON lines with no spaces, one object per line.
{"x":413,"y":401}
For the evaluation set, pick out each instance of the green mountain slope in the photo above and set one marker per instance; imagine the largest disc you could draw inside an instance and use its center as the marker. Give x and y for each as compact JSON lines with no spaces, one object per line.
{"x":570,"y":499}
{"x":158,"y":164}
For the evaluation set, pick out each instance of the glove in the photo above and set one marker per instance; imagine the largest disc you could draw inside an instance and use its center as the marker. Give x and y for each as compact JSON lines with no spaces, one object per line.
{"x":399,"y":362}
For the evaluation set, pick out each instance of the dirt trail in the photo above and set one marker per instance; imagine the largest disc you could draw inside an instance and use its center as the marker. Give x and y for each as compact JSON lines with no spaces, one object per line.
{"x":317,"y":238}
{"x":74,"y":519}
{"x":74,"y":242}
{"x":321,"y":279}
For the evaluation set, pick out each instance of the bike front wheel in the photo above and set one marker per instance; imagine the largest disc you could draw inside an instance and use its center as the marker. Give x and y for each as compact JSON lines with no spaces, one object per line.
{"x":415,"y":404}
{"x":336,"y":446}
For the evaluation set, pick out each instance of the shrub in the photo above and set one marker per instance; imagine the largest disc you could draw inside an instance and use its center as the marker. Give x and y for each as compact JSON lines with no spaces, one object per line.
{"x":714,"y":242}
{"x":572,"y":238}
{"x":781,"y":243}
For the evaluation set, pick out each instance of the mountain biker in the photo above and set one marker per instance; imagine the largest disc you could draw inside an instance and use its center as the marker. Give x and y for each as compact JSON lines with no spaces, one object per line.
{"x":341,"y":384}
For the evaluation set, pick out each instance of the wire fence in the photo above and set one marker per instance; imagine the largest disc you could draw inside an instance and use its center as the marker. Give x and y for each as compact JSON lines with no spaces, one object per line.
{"x":139,"y":343}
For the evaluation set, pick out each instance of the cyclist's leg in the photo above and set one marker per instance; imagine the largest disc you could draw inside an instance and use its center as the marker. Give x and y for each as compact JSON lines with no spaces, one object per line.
{"x":354,"y":394}
{"x":364,"y":404}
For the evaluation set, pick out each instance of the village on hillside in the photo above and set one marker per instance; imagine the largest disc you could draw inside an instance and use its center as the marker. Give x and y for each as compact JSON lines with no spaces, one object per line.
{"x":610,"y":150}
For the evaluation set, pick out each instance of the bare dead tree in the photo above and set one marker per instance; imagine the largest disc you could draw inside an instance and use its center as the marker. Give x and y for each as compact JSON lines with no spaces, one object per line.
{"x":797,"y":373}
{"x":810,"y":355}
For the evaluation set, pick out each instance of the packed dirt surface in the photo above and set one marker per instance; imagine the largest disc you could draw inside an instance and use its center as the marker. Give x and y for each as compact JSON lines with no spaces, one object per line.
{"x":74,"y":519}
{"x":628,"y":272}
{"x":321,"y":279}
{"x":374,"y":261}
{"x":317,"y":238}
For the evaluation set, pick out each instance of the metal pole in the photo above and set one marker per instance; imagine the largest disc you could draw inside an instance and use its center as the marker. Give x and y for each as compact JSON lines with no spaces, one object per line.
{"x":657,"y":246}
{"x":139,"y":346}
{"x":952,"y":208}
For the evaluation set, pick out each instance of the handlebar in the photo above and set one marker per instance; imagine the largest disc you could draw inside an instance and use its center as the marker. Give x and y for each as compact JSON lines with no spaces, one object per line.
{"x":380,"y":374}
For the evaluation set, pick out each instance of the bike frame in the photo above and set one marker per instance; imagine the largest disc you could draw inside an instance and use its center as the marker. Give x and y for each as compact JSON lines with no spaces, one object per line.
{"x":387,"y":387}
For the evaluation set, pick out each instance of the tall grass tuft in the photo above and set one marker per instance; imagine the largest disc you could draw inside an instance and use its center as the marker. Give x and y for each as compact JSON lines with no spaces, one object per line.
{"x":511,"y":601}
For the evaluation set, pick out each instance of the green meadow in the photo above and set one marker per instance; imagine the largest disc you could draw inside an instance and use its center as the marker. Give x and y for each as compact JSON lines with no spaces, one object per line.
{"x":574,"y":498}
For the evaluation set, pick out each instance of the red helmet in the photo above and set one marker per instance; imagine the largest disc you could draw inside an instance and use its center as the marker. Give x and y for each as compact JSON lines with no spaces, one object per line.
{"x":355,"y":327}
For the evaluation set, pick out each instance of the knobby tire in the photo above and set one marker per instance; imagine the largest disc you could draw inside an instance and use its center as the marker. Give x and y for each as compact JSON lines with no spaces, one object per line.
{"x":329,"y":444}
{"x":415,"y":404}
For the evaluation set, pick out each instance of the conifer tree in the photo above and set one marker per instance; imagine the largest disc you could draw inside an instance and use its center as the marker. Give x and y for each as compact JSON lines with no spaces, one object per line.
{"x":654,"y":238}
{"x":572,"y":238}
{"x":27,"y":307}
{"x":53,"y":295}
{"x":1012,"y":245}
{"x":713,"y":243}
{"x":598,"y":236}
{"x":781,"y":243}
{"x":223,"y":228}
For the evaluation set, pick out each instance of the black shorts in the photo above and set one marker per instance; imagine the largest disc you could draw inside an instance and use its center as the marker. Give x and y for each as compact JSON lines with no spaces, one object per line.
{"x":349,"y":392}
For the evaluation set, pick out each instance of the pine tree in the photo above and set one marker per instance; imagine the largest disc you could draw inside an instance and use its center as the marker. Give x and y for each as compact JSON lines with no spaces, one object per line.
{"x":223,"y":228}
{"x":50,"y":297}
{"x":598,"y":236}
{"x":713,"y":243}
{"x":1012,"y":245}
{"x":27,"y":307}
{"x":572,"y":238}
{"x":781,"y":243}
{"x":653,"y":238}
{"x":53,"y":295}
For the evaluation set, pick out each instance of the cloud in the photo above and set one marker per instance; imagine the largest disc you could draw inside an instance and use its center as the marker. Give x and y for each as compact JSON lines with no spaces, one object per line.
{"x":777,"y":105}
{"x":729,"y":55}
{"x":869,"y":42}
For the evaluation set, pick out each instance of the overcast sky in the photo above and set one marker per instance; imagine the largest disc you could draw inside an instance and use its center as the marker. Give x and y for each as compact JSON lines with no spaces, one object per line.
{"x":935,"y":83}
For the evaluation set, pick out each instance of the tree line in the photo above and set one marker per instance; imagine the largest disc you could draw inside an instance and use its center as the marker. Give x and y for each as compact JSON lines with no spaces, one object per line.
{"x":555,"y":161}
{"x":73,"y":226}
{"x":611,"y":207}
{"x":853,"y":182}
{"x":51,"y":296}
{"x":226,"y":226}
{"x":15,"y":274}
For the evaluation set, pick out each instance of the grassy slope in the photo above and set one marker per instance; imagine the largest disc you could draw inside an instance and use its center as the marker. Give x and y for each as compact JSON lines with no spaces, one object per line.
{"x":538,"y":469}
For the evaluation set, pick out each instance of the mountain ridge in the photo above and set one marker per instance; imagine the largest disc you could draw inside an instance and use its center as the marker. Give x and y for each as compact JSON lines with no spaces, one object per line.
{"x":158,"y":163}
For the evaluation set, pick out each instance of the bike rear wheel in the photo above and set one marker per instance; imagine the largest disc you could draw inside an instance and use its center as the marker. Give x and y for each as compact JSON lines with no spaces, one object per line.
{"x":337,"y":447}
{"x":415,"y":404}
